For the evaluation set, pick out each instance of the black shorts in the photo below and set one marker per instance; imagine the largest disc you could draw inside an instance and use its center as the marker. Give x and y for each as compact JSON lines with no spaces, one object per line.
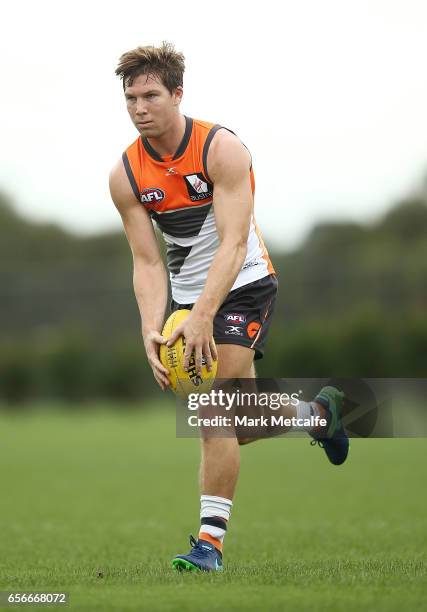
{"x":245,"y":315}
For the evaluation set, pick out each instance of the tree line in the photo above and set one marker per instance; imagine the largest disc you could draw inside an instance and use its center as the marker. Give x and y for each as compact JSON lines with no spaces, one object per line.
{"x":352,"y":302}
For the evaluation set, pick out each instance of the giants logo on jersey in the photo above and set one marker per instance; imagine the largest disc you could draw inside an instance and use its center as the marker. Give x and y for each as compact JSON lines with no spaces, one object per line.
{"x":197,"y":187}
{"x":152,"y":196}
{"x":253,"y":328}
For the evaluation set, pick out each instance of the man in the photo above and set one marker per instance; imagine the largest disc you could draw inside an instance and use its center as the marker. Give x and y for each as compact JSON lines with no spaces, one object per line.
{"x":195,"y":179}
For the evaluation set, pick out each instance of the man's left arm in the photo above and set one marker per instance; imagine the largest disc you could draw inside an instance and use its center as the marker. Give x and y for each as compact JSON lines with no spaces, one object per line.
{"x":228,"y":165}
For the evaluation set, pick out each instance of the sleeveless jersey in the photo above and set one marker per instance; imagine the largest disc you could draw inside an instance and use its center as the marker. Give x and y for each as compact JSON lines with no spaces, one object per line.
{"x":178,"y":194}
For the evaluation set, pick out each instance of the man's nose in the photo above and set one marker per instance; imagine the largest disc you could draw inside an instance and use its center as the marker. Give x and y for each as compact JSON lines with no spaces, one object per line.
{"x":140,"y":107}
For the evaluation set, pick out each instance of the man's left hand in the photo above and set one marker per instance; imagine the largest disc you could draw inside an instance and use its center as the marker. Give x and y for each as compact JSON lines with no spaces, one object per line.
{"x":198,"y":333}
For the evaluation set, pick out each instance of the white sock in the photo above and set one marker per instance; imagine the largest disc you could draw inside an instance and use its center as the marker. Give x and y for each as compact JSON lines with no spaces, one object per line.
{"x":214,"y":532}
{"x":214,"y":514}
{"x":304,"y":410}
{"x":211,"y":505}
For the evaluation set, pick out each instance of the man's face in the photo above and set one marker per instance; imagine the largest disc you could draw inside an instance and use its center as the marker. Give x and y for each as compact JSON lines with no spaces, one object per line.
{"x":151,"y":106}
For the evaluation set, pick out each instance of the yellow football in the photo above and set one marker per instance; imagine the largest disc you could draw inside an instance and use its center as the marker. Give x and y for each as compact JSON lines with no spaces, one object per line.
{"x":183,"y":383}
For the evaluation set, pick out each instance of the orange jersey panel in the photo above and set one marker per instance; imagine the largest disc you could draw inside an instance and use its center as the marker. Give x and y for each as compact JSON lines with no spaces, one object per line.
{"x":158,"y":182}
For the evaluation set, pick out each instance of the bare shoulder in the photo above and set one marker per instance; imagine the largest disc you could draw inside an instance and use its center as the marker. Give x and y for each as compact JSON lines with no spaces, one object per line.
{"x":227,"y":156}
{"x":120,"y":187}
{"x":136,"y":220}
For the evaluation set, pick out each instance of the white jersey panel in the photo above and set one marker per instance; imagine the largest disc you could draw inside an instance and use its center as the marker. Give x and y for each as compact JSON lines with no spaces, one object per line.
{"x":190,"y":257}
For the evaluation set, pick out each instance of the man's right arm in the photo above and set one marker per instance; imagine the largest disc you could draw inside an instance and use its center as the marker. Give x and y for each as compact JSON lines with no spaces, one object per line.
{"x":149,"y":274}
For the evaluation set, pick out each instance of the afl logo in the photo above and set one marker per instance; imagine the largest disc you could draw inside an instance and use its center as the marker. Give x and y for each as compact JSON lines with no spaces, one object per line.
{"x":152,"y":195}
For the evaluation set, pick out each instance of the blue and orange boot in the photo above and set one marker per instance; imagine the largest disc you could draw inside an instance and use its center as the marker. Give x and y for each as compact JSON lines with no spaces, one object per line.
{"x":332,"y":438}
{"x":202,"y":557}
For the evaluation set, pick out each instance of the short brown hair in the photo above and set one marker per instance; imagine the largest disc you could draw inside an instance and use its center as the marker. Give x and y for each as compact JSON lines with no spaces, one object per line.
{"x":163,"y":62}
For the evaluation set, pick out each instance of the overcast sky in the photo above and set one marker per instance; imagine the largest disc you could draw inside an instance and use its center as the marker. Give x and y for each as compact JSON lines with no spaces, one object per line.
{"x":330,"y":96}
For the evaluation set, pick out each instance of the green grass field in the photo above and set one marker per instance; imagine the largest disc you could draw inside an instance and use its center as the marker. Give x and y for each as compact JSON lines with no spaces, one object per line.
{"x":96,"y":503}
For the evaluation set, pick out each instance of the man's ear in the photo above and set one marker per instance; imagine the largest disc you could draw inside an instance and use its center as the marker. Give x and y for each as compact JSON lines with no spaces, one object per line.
{"x":177,"y":95}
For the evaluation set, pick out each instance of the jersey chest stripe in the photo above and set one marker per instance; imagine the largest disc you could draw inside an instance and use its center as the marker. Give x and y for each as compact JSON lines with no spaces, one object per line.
{"x":183,"y":207}
{"x":182,"y":223}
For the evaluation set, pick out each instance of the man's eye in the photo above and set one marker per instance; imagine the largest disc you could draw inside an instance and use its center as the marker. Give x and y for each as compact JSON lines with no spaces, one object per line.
{"x":130,"y":99}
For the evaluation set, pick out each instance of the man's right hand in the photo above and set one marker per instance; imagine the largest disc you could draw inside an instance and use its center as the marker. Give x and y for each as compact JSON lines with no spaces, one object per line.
{"x":152,"y":342}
